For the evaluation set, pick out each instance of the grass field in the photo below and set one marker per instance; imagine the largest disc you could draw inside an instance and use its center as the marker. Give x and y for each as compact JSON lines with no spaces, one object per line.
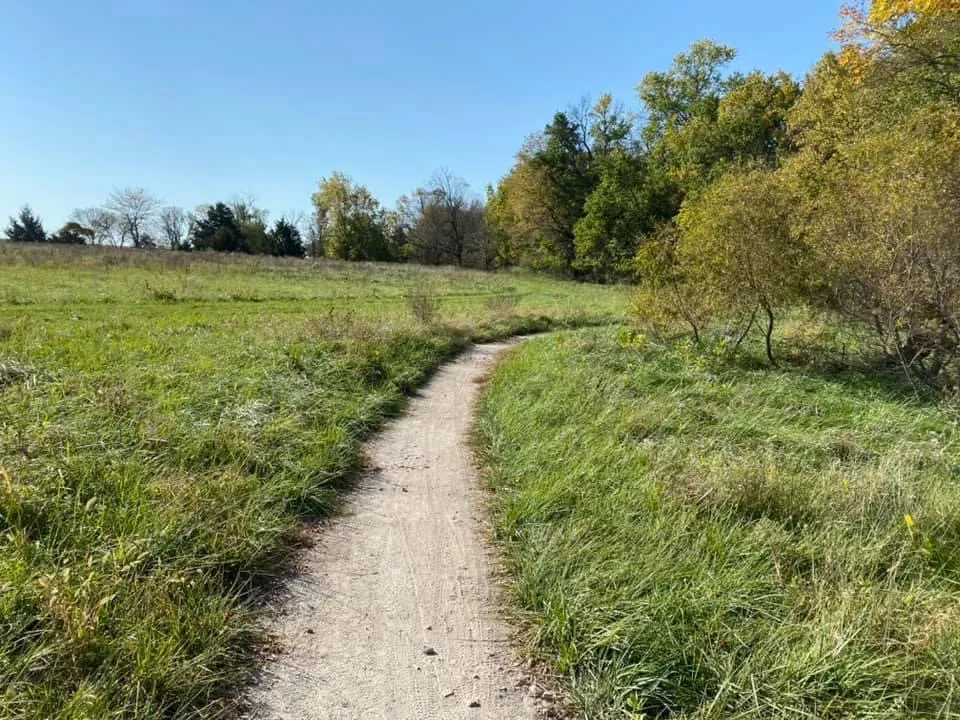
{"x":691,"y":537}
{"x":167,"y":419}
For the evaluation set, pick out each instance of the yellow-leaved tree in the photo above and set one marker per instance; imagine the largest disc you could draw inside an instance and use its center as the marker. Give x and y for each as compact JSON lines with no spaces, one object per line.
{"x":882,"y":12}
{"x":737,"y":249}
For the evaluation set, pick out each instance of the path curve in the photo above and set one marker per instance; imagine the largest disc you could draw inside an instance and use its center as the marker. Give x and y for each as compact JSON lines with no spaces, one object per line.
{"x":403,"y":572}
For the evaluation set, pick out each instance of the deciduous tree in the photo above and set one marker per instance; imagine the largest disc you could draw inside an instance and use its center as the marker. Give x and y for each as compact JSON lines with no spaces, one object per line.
{"x":350,"y":221}
{"x":135,"y":210}
{"x":737,"y":247}
{"x":174,"y":227}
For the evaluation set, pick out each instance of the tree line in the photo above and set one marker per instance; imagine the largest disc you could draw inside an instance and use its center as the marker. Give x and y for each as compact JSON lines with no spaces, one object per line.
{"x":443,"y":223}
{"x":134,"y":217}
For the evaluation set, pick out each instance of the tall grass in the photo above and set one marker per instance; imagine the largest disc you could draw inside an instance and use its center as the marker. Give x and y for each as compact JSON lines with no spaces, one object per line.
{"x":157,"y":452}
{"x":689,"y":537}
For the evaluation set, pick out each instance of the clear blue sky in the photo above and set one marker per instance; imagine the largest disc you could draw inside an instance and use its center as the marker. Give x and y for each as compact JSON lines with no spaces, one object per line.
{"x":199,"y":101}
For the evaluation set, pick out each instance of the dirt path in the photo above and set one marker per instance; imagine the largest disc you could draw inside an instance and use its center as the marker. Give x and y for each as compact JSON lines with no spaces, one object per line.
{"x":403,"y":574}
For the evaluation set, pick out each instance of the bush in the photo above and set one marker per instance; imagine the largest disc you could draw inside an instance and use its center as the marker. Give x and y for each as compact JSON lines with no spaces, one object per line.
{"x":883,"y":226}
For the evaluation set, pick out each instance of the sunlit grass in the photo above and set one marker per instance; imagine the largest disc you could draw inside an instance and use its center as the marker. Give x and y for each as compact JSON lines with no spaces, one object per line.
{"x":166,"y":421}
{"x":693,"y":537}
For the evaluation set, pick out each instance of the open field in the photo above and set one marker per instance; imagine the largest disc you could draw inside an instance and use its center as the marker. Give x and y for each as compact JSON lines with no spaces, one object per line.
{"x":690,"y":537}
{"x":167,"y":419}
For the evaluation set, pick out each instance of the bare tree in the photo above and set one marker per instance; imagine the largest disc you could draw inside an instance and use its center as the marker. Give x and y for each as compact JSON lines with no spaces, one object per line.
{"x":174,"y":227}
{"x":136,"y":212}
{"x":246,"y":212}
{"x":105,"y":225}
{"x":447,"y":223}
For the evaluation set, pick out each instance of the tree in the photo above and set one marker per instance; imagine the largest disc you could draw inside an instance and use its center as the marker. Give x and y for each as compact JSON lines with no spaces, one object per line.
{"x":446,"y":224}
{"x":691,"y":88}
{"x":737,"y":247}
{"x":681,"y":102}
{"x":252,"y":221}
{"x":534,"y":211}
{"x":626,"y":206}
{"x":918,"y":40}
{"x":350,"y":221}
{"x":217,"y":229}
{"x":611,"y":129}
{"x":564,"y":164}
{"x":750,"y":126}
{"x":73,"y":233}
{"x":135,"y":210}
{"x":285,"y":239}
{"x":26,"y":227}
{"x":245,"y":210}
{"x":105,"y":225}
{"x":881,"y":220}
{"x":174,"y":227}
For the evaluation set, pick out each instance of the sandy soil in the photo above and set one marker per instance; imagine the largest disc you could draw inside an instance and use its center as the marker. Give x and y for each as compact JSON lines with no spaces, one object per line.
{"x":394,"y":615}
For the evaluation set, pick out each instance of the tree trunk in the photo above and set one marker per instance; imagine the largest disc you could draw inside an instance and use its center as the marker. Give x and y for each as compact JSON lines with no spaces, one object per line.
{"x":753,"y":317}
{"x":770,"y":336}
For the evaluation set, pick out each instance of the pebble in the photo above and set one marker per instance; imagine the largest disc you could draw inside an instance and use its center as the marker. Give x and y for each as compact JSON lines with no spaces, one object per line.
{"x":429,"y":651}
{"x":535,"y":691}
{"x":549,"y":696}
{"x":474,"y":704}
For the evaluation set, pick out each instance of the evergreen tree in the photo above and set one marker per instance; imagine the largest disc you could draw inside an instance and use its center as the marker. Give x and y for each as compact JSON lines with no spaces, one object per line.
{"x":218,"y":230}
{"x":26,"y":227}
{"x":285,"y":239}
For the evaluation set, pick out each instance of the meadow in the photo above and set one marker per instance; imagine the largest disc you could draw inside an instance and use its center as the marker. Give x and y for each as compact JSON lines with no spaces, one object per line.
{"x":168,"y":420}
{"x":694,"y":535}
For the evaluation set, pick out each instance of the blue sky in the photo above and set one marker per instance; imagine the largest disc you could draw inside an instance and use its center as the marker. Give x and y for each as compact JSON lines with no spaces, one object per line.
{"x":200,"y":101}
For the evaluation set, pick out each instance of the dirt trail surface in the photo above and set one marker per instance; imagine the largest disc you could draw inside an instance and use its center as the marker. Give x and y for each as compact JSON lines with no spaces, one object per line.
{"x":394,"y":615}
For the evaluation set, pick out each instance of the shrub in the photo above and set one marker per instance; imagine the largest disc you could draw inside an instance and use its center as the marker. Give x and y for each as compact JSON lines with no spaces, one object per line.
{"x":424,"y":305}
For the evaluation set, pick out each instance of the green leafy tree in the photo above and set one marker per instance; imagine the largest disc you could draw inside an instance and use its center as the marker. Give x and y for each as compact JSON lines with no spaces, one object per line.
{"x":26,"y":227}
{"x":350,"y":221}
{"x":253,"y":223}
{"x":624,"y":207}
{"x":750,"y":126}
{"x":217,"y":229}
{"x":737,"y":247}
{"x":691,"y":88}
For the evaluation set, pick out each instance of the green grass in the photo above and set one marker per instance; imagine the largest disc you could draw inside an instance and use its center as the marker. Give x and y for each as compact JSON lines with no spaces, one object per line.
{"x":689,"y":537}
{"x":166,"y":421}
